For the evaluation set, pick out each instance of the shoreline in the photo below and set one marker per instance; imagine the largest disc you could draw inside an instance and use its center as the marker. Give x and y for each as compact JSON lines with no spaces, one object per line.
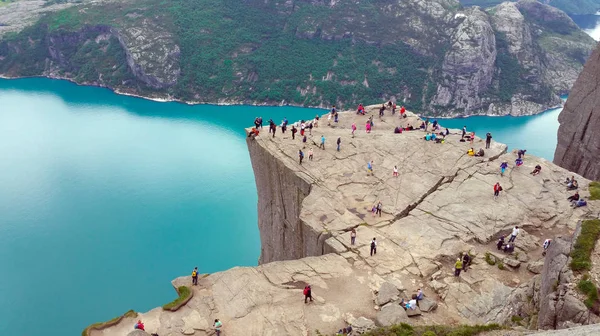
{"x":192,"y":103}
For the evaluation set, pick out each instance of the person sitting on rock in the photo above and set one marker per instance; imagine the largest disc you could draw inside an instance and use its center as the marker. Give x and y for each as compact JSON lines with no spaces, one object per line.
{"x":253,"y":133}
{"x":518,"y":162}
{"x":139,"y":325}
{"x":398,"y":130}
{"x":480,"y":152}
{"x":361,"y":109}
{"x":422,"y":125}
{"x":471,"y":152}
{"x":411,"y":304}
{"x":573,"y":198}
{"x":500,"y":243}
{"x":509,"y":248}
{"x":427,"y":137}
{"x":573,"y":185}
{"x":419,"y":294}
{"x":536,"y":170}
{"x":581,"y":202}
{"x":521,"y":153}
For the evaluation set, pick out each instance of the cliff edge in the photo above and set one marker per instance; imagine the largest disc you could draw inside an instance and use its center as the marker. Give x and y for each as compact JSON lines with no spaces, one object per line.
{"x":440,"y":204}
{"x":578,"y":146}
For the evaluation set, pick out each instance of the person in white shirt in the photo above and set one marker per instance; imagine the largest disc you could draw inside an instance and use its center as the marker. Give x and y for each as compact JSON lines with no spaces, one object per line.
{"x":546,"y":245}
{"x":514,"y":234}
{"x":373,"y":246}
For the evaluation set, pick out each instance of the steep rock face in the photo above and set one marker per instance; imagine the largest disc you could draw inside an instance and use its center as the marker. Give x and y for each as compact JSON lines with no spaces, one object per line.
{"x":578,"y":146}
{"x":468,"y":66}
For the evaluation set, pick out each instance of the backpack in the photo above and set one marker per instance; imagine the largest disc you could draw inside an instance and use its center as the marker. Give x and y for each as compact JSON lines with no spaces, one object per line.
{"x":306,"y":290}
{"x":500,"y":188}
{"x":373,"y":244}
{"x":194,"y":273}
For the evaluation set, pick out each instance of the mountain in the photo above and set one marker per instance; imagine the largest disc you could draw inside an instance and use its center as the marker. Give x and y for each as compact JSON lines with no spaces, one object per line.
{"x":578,"y":146}
{"x":569,"y":6}
{"x":434,"y":56}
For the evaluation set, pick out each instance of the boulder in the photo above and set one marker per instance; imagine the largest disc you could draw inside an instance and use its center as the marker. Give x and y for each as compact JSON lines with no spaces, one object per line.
{"x":138,"y":332}
{"x":387,"y":292}
{"x":361,"y":325}
{"x":438,"y":286}
{"x":391,"y":314}
{"x":535,"y":267}
{"x":427,"y":305}
{"x":413,"y":312}
{"x":511,"y":262}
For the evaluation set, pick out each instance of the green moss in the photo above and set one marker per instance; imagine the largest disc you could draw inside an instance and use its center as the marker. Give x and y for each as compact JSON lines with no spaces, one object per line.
{"x":501,"y":265}
{"x":489,"y":259}
{"x":595,"y":191}
{"x":185,"y":294}
{"x":434,"y":330}
{"x":590,"y":231}
{"x":109,"y":323}
{"x":586,"y":286}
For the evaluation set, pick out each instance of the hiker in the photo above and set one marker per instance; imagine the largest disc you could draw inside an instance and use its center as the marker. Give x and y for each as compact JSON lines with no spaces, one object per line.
{"x":497,"y":190}
{"x":573,"y":198}
{"x":458,"y":267}
{"x":509,"y":248}
{"x":195,"y":276}
{"x":426,"y":124}
{"x":466,"y":260}
{"x":329,"y":119}
{"x":339,"y":142}
{"x":471,"y":152}
{"x":310,"y":127}
{"x":253,"y":133}
{"x":464,"y":132}
{"x":260,"y":122}
{"x":395,"y":173}
{"x":368,"y":126}
{"x":488,"y":140}
{"x":335,"y":117}
{"x":434,"y":125}
{"x":353,"y":128}
{"x":273,"y":129}
{"x":256,"y":123}
{"x":304,"y":140}
{"x":411,"y":304}
{"x":381,"y":109}
{"x":379,"y":206}
{"x":361,"y":109}
{"x":447,"y":132}
{"x":322,"y":146}
{"x":500,"y":243}
{"x":503,"y":167}
{"x":546,"y":244}
{"x":218,"y":325}
{"x":518,"y":162}
{"x":521,"y":153}
{"x":283,"y":128}
{"x":294,"y":130}
{"x":139,"y":325}
{"x":536,"y":170}
{"x":419,"y":294}
{"x":316,"y":123}
{"x":373,"y":246}
{"x":573,"y":186}
{"x":300,"y":156}
{"x":579,"y":203}
{"x":310,"y":154}
{"x":514,"y":234}
{"x":307,"y":293}
{"x":394,"y":108}
{"x":285,"y":121}
{"x":472,"y":137}
{"x":480,"y":153}
{"x":302,"y":127}
{"x":370,"y":167}
{"x":353,"y":236}
{"x":402,"y":111}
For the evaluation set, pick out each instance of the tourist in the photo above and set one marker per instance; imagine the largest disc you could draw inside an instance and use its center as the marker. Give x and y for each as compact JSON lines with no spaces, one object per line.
{"x":488,"y":140}
{"x":503,"y":167}
{"x":466,"y":260}
{"x":339,"y":142}
{"x":497,"y":190}
{"x":546,"y":244}
{"x":310,"y":154}
{"x":411,"y":304}
{"x":218,"y":325}
{"x":300,"y":155}
{"x":521,"y":153}
{"x":394,"y":108}
{"x":402,"y":111}
{"x":579,"y":203}
{"x":447,"y":132}
{"x":195,"y":276}
{"x":419,"y":294}
{"x":458,"y":267}
{"x":519,"y":162}
{"x":373,"y":246}
{"x":573,"y":198}
{"x":294,"y":130}
{"x":285,"y":121}
{"x":381,"y":109}
{"x":368,"y":126}
{"x":536,"y":170}
{"x":480,"y":153}
{"x":471,"y":152}
{"x":514,"y":234}
{"x":335,"y":117}
{"x":434,"y":125}
{"x":316,"y":121}
{"x":361,"y":109}
{"x":260,"y":122}
{"x":422,"y":126}
{"x":304,"y":141}
{"x":310,"y":127}
{"x":253,"y":133}
{"x":509,"y":248}
{"x":353,"y":236}
{"x":500,"y":243}
{"x":283,"y":127}
{"x":353,"y":128}
{"x":256,"y":123}
{"x":395,"y":173}
{"x":472,"y":137}
{"x":139,"y":325}
{"x":427,"y":136}
{"x":426,"y":124}
{"x":302,"y":127}
{"x":307,"y":294}
{"x":379,"y":206}
{"x":573,"y":186}
{"x":370,"y":167}
{"x":329,"y":119}
{"x":322,"y":146}
{"x":464,"y":132}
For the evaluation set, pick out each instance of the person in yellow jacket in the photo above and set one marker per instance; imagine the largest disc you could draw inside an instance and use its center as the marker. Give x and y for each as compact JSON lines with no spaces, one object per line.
{"x":458,"y":267}
{"x":195,"y":276}
{"x":471,"y":152}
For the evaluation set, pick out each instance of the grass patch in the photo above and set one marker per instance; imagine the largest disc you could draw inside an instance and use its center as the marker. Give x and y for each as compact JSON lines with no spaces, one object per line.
{"x":185,"y":294}
{"x":109,"y":323}
{"x":434,"y":330}
{"x":586,"y":286}
{"x":595,"y":191}
{"x":489,"y":259}
{"x":501,"y":266}
{"x":590,"y":231}
{"x":516,"y":319}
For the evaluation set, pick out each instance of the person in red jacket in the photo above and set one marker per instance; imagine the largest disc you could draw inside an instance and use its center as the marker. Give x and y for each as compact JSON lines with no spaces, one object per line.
{"x":497,"y":190}
{"x":139,"y":325}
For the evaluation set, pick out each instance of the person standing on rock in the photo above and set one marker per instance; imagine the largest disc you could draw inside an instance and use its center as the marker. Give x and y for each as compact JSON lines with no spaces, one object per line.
{"x":488,"y":140}
{"x":426,"y":124}
{"x":379,"y":206}
{"x":521,"y":153}
{"x":395,"y":173}
{"x":472,"y":137}
{"x":310,"y":127}
{"x":464,"y":132}
{"x":195,"y":276}
{"x":547,"y":243}
{"x":353,"y":236}
{"x":497,"y":190}
{"x":294,"y":130}
{"x":370,"y":167}
{"x":458,"y":267}
{"x":310,"y":154}
{"x":353,"y":128}
{"x":503,"y":167}
{"x":373,"y":246}
{"x":466,"y":260}
{"x":500,"y":243}
{"x":300,"y":156}
{"x":322,"y":142}
{"x":514,"y":234}
{"x":339,"y":142}
{"x":302,"y":128}
{"x":307,"y":294}
{"x":260,"y":122}
{"x":218,"y":325}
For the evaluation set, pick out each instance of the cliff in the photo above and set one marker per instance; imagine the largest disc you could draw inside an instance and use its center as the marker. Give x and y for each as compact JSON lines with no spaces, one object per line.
{"x":516,"y":58}
{"x":441,"y":204}
{"x":578,"y":146}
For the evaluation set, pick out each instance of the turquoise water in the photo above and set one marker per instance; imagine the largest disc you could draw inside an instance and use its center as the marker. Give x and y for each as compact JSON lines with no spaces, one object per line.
{"x":104,"y":199}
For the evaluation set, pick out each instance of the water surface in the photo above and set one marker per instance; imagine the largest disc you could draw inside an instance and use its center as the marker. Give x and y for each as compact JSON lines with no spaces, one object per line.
{"x":589,"y":24}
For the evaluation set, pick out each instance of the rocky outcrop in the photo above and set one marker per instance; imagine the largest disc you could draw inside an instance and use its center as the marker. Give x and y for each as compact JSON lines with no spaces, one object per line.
{"x":578,"y":146}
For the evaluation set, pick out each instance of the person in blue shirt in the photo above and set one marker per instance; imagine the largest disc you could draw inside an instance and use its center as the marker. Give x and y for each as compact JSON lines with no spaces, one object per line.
{"x":503,"y":167}
{"x":322,"y":142}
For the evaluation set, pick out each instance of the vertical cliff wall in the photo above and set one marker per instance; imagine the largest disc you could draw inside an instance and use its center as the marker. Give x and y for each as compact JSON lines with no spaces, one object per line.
{"x":578,"y":146}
